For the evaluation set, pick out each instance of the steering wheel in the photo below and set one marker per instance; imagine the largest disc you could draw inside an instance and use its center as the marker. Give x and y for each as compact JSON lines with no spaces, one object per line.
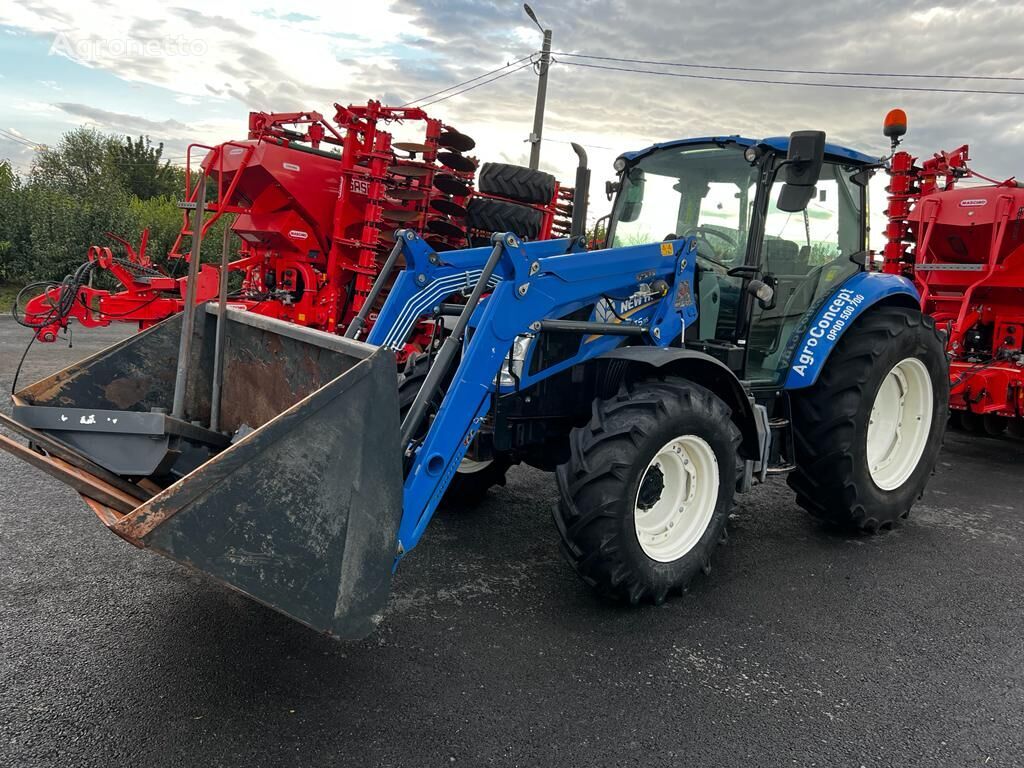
{"x":701,"y":234}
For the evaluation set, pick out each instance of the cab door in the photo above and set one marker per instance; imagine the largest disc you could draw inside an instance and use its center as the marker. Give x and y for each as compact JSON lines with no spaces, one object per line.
{"x":804,"y":256}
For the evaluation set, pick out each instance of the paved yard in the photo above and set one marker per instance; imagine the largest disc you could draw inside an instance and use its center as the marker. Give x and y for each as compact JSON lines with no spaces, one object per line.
{"x":801,"y":648}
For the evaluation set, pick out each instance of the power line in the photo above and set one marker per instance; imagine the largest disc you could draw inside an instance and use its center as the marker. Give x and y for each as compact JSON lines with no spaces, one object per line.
{"x":485,"y":82}
{"x":790,"y":71}
{"x":20,"y":139}
{"x":581,"y":143}
{"x":15,"y":137}
{"x":856,"y":86}
{"x":467,"y":82}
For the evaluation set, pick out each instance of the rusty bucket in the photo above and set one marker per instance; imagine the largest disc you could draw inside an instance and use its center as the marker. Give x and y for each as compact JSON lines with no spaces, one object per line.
{"x":295,"y":498}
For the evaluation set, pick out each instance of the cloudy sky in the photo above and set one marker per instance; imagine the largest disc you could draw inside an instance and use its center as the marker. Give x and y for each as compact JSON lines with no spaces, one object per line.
{"x":188,"y":71}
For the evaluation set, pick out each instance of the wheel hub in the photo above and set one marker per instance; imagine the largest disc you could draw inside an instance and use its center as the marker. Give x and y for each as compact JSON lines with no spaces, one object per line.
{"x":651,"y":487}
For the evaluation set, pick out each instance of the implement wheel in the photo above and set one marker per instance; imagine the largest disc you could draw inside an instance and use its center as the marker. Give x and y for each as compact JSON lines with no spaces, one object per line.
{"x":488,"y":215}
{"x":647,"y":489}
{"x":868,"y":432}
{"x":516,"y":183}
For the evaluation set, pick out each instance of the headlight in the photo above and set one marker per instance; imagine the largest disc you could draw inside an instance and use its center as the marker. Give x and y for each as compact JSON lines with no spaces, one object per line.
{"x":619,"y":165}
{"x":510,"y":374}
{"x":750,"y":154}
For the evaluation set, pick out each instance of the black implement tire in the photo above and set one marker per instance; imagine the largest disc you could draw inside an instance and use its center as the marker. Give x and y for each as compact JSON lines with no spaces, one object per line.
{"x":833,"y":479}
{"x":499,"y":216}
{"x":629,"y":437}
{"x":516,"y":183}
{"x":465,"y":488}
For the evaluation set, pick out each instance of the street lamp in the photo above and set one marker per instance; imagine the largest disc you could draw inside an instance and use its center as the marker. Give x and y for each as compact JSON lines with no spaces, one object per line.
{"x":542,"y":89}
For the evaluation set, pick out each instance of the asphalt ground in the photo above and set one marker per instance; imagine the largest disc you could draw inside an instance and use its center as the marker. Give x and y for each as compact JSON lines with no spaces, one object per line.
{"x":801,"y":648}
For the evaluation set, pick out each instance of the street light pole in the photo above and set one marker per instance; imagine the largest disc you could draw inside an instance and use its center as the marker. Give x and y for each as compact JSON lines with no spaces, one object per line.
{"x":542,"y":90}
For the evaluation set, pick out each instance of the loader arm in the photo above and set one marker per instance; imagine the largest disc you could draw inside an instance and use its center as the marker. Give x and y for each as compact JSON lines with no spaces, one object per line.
{"x":532,"y":283}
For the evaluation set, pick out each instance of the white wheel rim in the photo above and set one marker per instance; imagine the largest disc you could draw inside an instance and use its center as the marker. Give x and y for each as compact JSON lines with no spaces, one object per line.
{"x":471,"y":466}
{"x":672,"y":525}
{"x":900,"y":423}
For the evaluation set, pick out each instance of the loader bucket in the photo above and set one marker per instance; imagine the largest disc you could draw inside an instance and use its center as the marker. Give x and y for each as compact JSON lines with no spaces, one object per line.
{"x":299,"y":510}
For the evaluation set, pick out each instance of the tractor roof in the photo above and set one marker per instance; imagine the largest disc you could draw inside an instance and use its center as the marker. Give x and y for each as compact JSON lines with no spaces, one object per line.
{"x":780,"y":143}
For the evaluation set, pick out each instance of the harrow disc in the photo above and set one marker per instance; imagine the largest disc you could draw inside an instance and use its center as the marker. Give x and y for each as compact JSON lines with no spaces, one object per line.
{"x":410,"y":171}
{"x":452,"y":139}
{"x":451,"y":185}
{"x":449,"y":207}
{"x":399,"y":214}
{"x":446,"y":228}
{"x":456,"y":161}
{"x":408,"y":193}
{"x":410,"y":146}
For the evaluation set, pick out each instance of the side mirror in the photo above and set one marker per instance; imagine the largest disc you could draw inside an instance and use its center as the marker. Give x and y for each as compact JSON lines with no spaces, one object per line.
{"x":763,"y":291}
{"x":634,"y":181}
{"x":802,"y":168}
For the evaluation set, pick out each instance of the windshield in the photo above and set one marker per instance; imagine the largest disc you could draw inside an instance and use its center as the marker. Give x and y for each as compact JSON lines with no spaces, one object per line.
{"x":704,"y":190}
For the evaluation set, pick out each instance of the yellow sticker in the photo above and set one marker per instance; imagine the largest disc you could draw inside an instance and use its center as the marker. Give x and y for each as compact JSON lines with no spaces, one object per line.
{"x":667,"y":249}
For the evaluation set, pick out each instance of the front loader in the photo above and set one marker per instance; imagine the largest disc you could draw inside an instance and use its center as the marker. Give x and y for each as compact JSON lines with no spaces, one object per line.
{"x":656,"y":379}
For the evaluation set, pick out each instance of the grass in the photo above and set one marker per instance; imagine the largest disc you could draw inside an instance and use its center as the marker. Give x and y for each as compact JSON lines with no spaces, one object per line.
{"x":7,"y":293}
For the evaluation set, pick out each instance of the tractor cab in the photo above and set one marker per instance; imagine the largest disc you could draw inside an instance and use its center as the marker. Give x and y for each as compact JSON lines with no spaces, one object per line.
{"x":774,"y":234}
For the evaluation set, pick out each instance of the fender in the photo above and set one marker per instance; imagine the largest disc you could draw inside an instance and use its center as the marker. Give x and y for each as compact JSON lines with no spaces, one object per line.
{"x":818,"y":335}
{"x":707,"y":371}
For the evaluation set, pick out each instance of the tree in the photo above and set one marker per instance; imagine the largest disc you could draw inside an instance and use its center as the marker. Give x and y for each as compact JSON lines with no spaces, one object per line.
{"x":9,"y":206}
{"x":88,"y":184}
{"x":79,"y":165}
{"x":140,"y":168}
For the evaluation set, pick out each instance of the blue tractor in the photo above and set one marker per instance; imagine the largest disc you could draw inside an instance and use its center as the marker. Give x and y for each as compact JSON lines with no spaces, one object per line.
{"x":730,"y":330}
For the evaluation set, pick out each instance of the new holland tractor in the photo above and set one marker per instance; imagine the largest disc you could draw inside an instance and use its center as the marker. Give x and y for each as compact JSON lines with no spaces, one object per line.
{"x":729,"y":332}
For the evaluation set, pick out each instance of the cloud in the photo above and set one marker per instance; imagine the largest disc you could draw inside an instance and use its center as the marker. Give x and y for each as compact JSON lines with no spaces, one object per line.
{"x":174,"y":134}
{"x":201,"y":20}
{"x":854,"y":36}
{"x":398,"y":50}
{"x":121,"y":122}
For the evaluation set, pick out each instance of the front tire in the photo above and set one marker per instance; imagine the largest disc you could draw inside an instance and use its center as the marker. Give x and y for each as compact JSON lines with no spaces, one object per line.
{"x":868,"y":433}
{"x":647,"y":489}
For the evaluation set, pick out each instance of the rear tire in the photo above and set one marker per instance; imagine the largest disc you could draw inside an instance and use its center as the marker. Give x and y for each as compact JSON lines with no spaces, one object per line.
{"x":516,"y":183}
{"x":868,"y":432}
{"x":647,"y":489}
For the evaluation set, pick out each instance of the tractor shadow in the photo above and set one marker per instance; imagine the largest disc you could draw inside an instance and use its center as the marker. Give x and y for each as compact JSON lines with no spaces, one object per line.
{"x":478,"y":576}
{"x":486,"y":605}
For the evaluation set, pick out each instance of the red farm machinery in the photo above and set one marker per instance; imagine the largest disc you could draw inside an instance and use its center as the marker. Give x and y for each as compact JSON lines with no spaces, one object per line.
{"x":959,"y":236}
{"x":314,"y":204}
